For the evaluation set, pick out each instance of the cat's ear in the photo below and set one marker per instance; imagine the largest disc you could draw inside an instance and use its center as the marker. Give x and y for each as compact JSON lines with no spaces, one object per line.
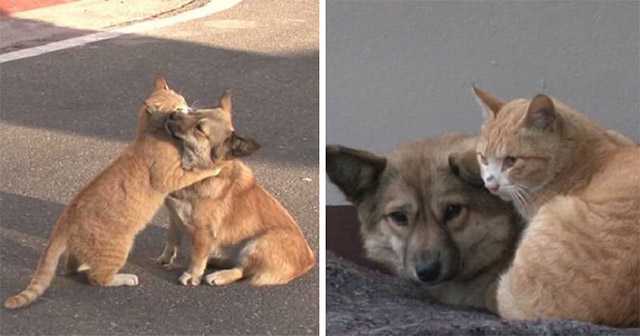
{"x":160,"y":83}
{"x":354,"y":171}
{"x":541,"y":113}
{"x":465,"y":166}
{"x":225,"y":101}
{"x":490,"y":104}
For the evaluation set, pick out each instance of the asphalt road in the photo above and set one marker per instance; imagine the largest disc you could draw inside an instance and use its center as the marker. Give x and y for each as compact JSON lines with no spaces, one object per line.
{"x":65,"y":115}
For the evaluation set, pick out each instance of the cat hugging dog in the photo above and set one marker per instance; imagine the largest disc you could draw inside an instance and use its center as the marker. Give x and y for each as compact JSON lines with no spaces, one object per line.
{"x":95,"y":232}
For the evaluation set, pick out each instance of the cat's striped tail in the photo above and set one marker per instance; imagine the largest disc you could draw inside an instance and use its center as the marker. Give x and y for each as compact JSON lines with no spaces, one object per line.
{"x":43,"y":275}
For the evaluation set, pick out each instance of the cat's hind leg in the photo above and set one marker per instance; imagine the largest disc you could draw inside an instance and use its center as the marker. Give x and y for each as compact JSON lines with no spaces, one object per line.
{"x":71,"y":263}
{"x":104,"y":265}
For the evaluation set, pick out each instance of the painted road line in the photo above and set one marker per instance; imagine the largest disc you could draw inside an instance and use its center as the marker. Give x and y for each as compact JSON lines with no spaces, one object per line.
{"x":211,"y":8}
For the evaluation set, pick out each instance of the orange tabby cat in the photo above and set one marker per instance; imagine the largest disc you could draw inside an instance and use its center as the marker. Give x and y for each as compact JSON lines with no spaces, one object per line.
{"x":97,"y":229}
{"x":579,"y":186}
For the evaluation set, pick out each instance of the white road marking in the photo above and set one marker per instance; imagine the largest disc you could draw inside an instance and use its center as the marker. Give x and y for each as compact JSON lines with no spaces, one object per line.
{"x":209,"y":9}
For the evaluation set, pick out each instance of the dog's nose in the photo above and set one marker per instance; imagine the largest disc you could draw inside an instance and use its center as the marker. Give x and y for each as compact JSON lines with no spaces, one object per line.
{"x":429,"y":272}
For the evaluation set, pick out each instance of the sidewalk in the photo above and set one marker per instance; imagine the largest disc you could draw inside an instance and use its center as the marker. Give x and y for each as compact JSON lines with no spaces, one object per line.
{"x":60,"y":19}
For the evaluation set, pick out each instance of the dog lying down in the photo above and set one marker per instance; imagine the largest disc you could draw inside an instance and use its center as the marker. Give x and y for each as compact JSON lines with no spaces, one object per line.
{"x":425,"y":215}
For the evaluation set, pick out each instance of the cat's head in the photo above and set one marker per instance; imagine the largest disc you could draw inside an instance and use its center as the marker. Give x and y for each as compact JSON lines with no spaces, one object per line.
{"x":520,"y":146}
{"x":159,"y":105}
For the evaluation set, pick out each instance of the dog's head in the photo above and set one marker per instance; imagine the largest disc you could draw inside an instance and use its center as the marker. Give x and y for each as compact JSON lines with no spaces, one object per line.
{"x":208,"y":137}
{"x":162,"y":102}
{"x":423,"y":210}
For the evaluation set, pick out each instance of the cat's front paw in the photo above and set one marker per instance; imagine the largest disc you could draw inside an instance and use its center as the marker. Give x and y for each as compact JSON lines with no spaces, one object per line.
{"x":187,"y":279}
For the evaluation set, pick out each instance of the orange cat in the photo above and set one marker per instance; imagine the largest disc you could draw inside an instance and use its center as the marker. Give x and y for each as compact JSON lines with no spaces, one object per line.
{"x":97,"y":229}
{"x":579,"y":186}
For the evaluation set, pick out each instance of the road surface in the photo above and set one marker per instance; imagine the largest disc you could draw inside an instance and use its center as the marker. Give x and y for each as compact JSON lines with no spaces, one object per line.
{"x":65,"y":115}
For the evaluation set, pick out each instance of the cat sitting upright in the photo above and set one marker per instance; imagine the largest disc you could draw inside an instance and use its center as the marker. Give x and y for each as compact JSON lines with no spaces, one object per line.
{"x":579,"y":186}
{"x":97,"y":229}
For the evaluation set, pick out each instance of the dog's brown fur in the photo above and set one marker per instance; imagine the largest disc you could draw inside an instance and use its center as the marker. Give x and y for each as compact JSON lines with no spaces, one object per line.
{"x":450,"y":218}
{"x":232,"y":221}
{"x":579,"y":185}
{"x":97,"y":228}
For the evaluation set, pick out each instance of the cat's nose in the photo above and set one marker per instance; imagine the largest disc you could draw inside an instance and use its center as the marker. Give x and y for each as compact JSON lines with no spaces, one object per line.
{"x":491,"y":184}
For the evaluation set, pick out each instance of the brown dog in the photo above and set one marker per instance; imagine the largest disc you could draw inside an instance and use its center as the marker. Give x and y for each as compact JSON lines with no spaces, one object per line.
{"x":98,"y":227}
{"x":233,"y":222}
{"x":425,"y":215}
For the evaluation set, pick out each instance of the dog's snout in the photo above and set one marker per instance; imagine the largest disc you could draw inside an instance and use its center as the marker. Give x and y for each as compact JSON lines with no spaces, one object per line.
{"x":428,"y":272}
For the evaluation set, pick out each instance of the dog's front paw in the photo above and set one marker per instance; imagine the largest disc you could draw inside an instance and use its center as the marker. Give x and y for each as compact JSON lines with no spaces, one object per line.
{"x":167,"y":258}
{"x":187,"y":279}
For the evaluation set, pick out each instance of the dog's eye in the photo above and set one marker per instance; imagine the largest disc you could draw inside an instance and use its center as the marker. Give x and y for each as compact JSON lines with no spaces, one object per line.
{"x":451,"y":211}
{"x":399,"y":218}
{"x":508,"y":162}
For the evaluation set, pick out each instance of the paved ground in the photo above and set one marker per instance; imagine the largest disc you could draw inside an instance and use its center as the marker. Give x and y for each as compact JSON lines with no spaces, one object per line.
{"x":65,"y":115}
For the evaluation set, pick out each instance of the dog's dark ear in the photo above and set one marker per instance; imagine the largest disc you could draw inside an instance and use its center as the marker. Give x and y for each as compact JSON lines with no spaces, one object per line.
{"x":237,"y":146}
{"x":354,"y":171}
{"x":465,"y":166}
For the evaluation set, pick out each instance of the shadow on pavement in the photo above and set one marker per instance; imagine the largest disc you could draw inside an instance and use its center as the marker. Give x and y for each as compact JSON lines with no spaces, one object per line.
{"x":275,"y":97}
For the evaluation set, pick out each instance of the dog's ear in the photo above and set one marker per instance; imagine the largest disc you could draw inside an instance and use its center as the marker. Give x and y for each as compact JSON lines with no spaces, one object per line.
{"x":237,"y":146}
{"x":354,"y":171}
{"x":465,"y":166}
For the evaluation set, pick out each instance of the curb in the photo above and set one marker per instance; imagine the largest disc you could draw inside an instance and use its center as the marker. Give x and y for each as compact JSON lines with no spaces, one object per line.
{"x":206,"y":10}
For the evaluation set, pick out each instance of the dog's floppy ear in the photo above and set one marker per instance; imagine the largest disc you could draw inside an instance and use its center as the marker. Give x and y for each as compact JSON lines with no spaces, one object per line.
{"x":465,"y":166}
{"x":237,"y":146}
{"x":354,"y":171}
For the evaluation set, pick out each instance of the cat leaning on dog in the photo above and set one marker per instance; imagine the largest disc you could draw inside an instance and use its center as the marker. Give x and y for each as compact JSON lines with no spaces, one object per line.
{"x":426,"y":216}
{"x":233,"y":222}
{"x":579,"y":187}
{"x":97,"y":229}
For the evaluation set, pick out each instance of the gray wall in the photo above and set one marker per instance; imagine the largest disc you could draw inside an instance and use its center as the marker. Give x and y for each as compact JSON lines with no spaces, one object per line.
{"x":398,"y":71}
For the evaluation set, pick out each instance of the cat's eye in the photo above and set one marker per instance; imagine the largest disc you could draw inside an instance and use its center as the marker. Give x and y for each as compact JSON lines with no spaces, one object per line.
{"x":508,"y":162}
{"x":451,"y":211}
{"x":483,"y":159}
{"x":399,"y":218}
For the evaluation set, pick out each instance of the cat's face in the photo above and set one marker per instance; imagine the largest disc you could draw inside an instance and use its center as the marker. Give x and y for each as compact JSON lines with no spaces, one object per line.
{"x":518,"y":146}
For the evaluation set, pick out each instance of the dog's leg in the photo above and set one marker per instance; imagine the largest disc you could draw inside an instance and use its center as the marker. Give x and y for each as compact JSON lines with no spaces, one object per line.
{"x":201,"y":245}
{"x":172,"y":245}
{"x":224,"y":277}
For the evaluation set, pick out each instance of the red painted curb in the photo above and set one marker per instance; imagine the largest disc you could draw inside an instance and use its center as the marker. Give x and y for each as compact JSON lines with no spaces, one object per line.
{"x":7,"y":7}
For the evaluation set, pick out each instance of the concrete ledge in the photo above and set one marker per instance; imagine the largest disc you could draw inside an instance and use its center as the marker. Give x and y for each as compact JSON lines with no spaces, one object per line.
{"x":51,"y":23}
